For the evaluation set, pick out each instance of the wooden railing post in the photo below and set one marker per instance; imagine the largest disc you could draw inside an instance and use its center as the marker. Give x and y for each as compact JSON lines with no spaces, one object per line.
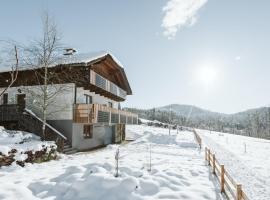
{"x":222,"y":178}
{"x":238,"y":192}
{"x":206,"y":153}
{"x":209,"y":158}
{"x":95,"y":108}
{"x":214,"y":164}
{"x":110,"y":117}
{"x":119,"y":118}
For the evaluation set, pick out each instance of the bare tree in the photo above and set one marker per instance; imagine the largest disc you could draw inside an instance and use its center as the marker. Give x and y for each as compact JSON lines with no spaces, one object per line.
{"x":13,"y":72}
{"x":40,"y":56}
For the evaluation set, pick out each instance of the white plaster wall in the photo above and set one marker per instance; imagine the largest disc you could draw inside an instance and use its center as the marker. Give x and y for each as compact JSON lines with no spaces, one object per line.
{"x":60,"y":107}
{"x":98,"y":99}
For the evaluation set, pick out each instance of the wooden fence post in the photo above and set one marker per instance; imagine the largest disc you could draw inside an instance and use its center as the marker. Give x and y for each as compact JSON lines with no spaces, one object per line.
{"x":214,"y":164}
{"x":209,"y":158}
{"x":222,"y":178}
{"x":238,"y":192}
{"x":206,"y":153}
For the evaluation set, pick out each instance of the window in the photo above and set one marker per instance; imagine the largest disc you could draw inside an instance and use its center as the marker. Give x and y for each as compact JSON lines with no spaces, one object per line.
{"x":88,"y":131}
{"x":88,"y":99}
{"x":110,"y":104}
{"x":5,"y":98}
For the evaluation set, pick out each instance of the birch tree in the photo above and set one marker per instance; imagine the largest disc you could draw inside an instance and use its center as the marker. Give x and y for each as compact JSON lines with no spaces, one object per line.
{"x":41,"y":54}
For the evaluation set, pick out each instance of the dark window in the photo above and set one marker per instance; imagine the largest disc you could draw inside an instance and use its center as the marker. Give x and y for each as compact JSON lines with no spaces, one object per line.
{"x":110,"y":104}
{"x":5,"y":98}
{"x":21,"y":99}
{"x":88,"y":131}
{"x":88,"y":99}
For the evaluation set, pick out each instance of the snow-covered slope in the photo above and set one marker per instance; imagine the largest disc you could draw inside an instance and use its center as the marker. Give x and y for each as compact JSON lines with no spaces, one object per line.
{"x":247,"y":159}
{"x":178,"y":171}
{"x":21,"y":143}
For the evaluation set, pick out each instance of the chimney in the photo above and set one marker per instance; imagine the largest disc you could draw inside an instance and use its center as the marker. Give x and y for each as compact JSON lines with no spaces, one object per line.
{"x":69,"y":51}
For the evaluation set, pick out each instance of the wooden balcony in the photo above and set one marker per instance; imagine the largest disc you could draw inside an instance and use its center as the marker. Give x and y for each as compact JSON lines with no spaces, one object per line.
{"x":97,"y":113}
{"x":106,"y":87}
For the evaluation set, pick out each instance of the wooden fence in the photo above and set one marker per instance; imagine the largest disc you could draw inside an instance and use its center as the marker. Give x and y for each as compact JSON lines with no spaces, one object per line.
{"x":198,"y":138}
{"x":228,"y":185}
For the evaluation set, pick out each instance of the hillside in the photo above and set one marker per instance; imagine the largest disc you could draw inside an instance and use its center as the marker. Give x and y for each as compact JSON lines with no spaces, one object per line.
{"x":190,"y":111}
{"x":252,"y":122}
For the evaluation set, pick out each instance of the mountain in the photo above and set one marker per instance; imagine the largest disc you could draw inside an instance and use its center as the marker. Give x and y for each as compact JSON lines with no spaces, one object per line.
{"x":192,"y":112}
{"x":253,"y":122}
{"x":262,"y":112}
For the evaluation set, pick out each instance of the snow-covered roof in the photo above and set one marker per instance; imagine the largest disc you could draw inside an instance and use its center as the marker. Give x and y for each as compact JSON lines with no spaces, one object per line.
{"x":84,"y":58}
{"x":78,"y":58}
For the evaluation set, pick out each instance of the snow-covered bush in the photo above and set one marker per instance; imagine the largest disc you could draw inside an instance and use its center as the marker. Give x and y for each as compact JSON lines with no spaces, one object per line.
{"x":22,"y":147}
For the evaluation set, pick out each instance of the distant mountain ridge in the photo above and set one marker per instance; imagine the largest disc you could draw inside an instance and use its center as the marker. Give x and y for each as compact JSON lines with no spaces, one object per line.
{"x":253,"y":122}
{"x":194,"y":111}
{"x":190,"y":111}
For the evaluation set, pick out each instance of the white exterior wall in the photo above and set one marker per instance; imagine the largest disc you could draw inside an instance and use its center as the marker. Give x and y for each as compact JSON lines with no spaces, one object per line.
{"x":60,"y":107}
{"x":98,"y":99}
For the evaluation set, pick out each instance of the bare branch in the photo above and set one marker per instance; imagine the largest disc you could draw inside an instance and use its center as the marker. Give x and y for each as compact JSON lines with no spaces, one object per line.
{"x":14,"y":72}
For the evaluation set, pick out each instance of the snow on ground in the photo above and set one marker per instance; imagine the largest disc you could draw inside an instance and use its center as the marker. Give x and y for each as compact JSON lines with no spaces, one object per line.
{"x":246,"y":158}
{"x":22,"y":142}
{"x":178,"y":172}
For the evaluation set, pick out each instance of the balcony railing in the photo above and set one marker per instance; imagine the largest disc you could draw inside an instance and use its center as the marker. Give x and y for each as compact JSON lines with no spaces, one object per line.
{"x":98,"y":113}
{"x":106,"y":85}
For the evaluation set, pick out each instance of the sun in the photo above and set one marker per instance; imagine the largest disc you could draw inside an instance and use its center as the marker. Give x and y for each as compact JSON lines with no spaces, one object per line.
{"x":207,"y":75}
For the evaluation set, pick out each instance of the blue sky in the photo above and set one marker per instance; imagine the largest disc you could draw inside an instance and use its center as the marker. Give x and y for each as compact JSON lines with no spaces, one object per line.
{"x":168,"y":54}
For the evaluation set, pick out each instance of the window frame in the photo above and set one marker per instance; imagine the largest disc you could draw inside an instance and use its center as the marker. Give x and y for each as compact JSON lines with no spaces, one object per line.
{"x":110,"y":104}
{"x":88,"y":131}
{"x":88,"y":99}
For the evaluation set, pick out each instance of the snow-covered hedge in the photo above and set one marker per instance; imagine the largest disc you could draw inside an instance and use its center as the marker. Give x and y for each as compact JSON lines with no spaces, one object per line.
{"x":22,"y":147}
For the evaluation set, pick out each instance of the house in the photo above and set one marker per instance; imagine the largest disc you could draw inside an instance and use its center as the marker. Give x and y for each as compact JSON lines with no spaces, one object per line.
{"x":83,"y":107}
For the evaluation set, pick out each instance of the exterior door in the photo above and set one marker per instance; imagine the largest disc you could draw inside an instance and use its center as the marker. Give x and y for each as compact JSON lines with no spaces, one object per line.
{"x":21,"y":100}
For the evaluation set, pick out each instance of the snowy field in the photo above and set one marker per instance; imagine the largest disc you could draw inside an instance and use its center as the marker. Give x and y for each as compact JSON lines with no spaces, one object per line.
{"x":247,"y":159}
{"x":178,"y":171}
